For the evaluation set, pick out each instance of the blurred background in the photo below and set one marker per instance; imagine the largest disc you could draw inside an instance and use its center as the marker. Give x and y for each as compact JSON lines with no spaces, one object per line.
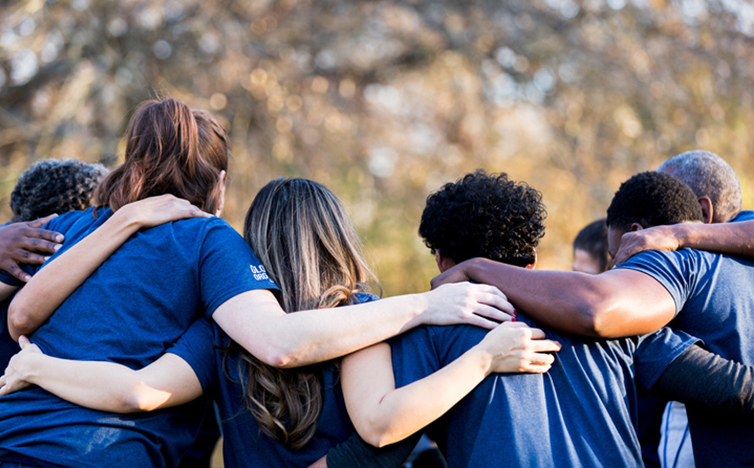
{"x":386,"y":101}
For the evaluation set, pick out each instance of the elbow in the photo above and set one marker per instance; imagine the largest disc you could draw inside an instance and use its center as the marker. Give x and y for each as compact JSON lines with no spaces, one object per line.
{"x":19,"y":323}
{"x":376,"y":433}
{"x":278,"y":356}
{"x":376,"y":438}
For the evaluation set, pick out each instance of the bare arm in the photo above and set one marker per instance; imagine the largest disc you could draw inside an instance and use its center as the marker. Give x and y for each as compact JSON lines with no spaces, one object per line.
{"x":384,"y":415}
{"x":726,"y":238}
{"x":103,"y":386}
{"x":255,"y":320}
{"x":52,"y":285}
{"x":613,"y":304}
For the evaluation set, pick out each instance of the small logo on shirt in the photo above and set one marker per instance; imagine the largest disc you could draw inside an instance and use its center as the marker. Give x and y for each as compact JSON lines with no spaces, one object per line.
{"x":259,"y":273}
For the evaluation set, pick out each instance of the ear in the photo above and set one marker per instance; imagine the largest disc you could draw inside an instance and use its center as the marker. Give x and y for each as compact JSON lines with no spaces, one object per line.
{"x":443,"y":263}
{"x":708,"y":212}
{"x":533,"y":264}
{"x":221,"y":199}
{"x":636,"y":227}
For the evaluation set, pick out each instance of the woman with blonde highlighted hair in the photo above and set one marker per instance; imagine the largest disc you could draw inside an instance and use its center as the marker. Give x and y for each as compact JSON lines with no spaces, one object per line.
{"x":271,"y":416}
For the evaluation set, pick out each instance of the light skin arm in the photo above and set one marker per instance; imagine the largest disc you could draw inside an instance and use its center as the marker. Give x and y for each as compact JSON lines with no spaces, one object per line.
{"x":613,"y":304}
{"x":255,"y":320}
{"x":384,"y":415}
{"x":726,"y":238}
{"x":51,"y":285}
{"x":103,"y":386}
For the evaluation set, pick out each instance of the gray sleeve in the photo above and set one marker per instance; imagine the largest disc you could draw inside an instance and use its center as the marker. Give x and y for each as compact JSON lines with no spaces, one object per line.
{"x":698,"y":377}
{"x":356,"y":452}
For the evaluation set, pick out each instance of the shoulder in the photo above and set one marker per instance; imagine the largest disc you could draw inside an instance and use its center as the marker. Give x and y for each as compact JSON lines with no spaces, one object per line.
{"x":745,"y":215}
{"x":65,"y":221}
{"x":363,"y":298}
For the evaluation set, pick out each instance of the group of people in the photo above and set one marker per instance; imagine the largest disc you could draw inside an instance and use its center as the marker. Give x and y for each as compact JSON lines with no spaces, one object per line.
{"x":145,"y":316}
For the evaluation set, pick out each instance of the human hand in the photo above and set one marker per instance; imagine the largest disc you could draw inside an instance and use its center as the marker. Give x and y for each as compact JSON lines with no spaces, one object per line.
{"x":516,"y":347}
{"x":16,"y":374}
{"x":474,"y":304}
{"x":154,"y":211}
{"x":457,"y":274}
{"x":27,"y":243}
{"x":654,"y":238}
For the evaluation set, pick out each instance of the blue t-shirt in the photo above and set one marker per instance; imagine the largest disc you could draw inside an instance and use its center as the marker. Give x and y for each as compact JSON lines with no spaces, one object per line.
{"x":131,"y":310}
{"x":244,"y":445}
{"x":745,"y":215}
{"x":8,"y":347}
{"x":582,"y":413}
{"x":714,"y":298}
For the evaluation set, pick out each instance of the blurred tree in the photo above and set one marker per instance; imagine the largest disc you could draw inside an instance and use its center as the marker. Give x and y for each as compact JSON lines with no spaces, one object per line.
{"x":386,"y":101}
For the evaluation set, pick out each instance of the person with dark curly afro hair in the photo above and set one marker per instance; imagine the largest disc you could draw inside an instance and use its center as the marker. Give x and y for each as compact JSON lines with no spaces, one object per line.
{"x":705,"y":294}
{"x":54,"y":186}
{"x":492,"y":217}
{"x":584,"y":404}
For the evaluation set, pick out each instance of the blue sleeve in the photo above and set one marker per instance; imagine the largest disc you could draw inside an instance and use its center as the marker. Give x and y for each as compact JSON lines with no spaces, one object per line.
{"x":657,"y":351}
{"x":676,"y":271}
{"x":745,"y":215}
{"x":414,"y":356}
{"x":228,"y":267}
{"x":196,"y":348}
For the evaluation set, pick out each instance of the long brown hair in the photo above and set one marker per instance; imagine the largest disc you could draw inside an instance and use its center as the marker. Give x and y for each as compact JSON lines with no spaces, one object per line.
{"x":305,"y":241}
{"x":170,"y":148}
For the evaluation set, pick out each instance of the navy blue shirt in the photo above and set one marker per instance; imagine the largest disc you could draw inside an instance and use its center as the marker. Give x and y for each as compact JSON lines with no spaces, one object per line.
{"x":714,"y":298}
{"x":582,"y":413}
{"x":131,"y":310}
{"x":244,"y":445}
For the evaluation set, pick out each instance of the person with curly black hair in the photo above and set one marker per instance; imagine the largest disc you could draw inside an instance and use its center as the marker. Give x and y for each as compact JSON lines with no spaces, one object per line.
{"x":49,"y":187}
{"x":54,"y":186}
{"x":578,"y":414}
{"x":492,"y":217}
{"x":708,"y":295}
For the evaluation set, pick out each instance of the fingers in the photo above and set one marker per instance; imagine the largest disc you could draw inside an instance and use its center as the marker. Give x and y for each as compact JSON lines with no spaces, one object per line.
{"x":41,"y":221}
{"x":493,"y":313}
{"x":23,"y":342}
{"x":12,"y":267}
{"x":52,"y":237}
{"x":544,"y":346}
{"x":541,"y":359}
{"x":481,"y":322}
{"x":535,"y":368}
{"x":36,"y":244}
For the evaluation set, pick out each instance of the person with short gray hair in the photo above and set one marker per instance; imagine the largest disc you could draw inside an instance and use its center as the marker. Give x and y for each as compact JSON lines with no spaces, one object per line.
{"x":710,"y":178}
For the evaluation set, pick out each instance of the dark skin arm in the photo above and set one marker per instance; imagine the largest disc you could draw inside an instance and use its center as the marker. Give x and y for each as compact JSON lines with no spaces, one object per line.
{"x":614,"y":304}
{"x":727,"y":238}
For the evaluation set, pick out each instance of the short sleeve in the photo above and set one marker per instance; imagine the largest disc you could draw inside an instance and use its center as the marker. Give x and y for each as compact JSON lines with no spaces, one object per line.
{"x":745,"y":215}
{"x":676,"y":271}
{"x":657,"y":351}
{"x":413,"y":356}
{"x":196,"y":348}
{"x":228,"y":267}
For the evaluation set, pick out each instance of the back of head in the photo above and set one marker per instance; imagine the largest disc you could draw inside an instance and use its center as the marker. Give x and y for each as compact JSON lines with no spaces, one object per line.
{"x":483,"y":215}
{"x":309,"y":248}
{"x":652,"y":199}
{"x":708,"y":175}
{"x":593,"y":240}
{"x":170,"y":148}
{"x":54,"y":186}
